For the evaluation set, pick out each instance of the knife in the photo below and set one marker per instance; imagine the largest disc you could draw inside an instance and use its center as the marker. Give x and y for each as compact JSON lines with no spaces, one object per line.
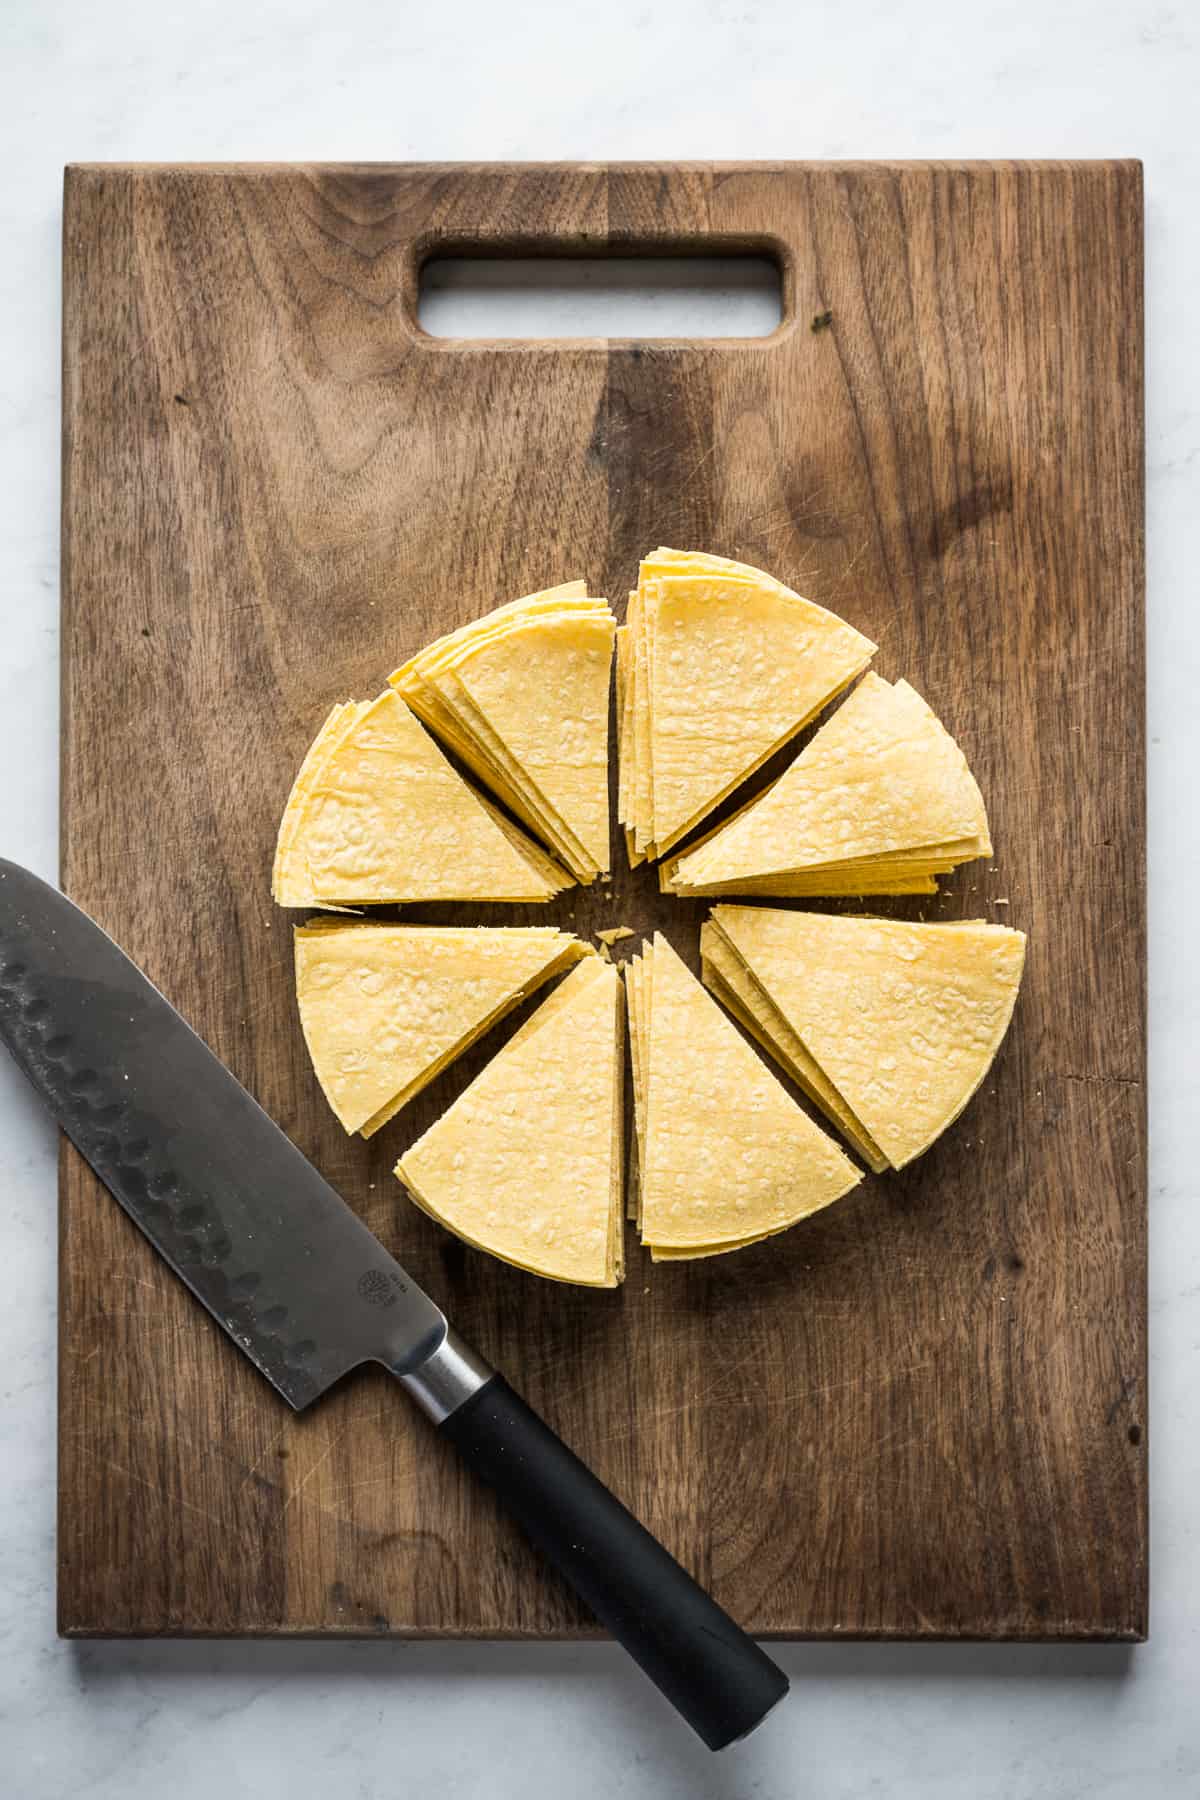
{"x":308,"y":1293}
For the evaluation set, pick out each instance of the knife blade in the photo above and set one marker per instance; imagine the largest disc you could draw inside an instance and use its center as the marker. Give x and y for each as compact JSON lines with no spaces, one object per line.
{"x":308,"y":1293}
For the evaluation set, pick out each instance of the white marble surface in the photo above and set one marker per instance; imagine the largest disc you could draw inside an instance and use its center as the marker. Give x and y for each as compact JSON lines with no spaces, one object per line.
{"x":157,"y":79}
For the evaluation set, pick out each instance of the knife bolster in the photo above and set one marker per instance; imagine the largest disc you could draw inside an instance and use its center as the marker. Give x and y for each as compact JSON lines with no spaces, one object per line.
{"x":447,"y":1378}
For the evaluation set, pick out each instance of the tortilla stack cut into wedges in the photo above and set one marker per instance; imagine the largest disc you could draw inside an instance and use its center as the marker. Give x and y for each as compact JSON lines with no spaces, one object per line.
{"x":386,"y":818}
{"x":522,"y":695}
{"x":727,"y":664}
{"x":726,"y":976}
{"x":881,"y":801}
{"x":726,"y":1155}
{"x":903,"y":1020}
{"x":385,"y":1008}
{"x":527,"y":1162}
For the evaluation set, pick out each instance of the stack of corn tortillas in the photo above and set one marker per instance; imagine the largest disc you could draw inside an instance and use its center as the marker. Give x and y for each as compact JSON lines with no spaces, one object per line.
{"x":385,"y":1008}
{"x":522,"y":696}
{"x":880,"y":802}
{"x":720,"y":665}
{"x":887,"y":1027}
{"x":527,"y":1162}
{"x":378,"y":814}
{"x":725,"y":1155}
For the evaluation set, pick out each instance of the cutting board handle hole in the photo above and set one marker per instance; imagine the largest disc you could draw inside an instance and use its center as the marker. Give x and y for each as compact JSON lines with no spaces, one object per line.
{"x":476,"y":296}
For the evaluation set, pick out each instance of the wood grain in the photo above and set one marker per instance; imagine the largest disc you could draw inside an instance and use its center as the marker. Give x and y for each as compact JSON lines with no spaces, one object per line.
{"x":921,"y":1414}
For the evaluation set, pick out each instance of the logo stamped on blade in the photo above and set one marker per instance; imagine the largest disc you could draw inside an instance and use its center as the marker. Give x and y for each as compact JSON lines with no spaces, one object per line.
{"x":379,"y":1288}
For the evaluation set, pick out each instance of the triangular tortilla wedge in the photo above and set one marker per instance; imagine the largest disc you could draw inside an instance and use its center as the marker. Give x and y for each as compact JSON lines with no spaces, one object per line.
{"x":526,"y":1163}
{"x":388,"y":819}
{"x":726,"y":976}
{"x":385,"y":1008}
{"x":882,"y":791}
{"x":291,"y":884}
{"x":439,"y":699}
{"x":736,"y":664}
{"x":521,"y":696}
{"x":729,"y":1156}
{"x":458,"y":721}
{"x":544,"y":690}
{"x":903,"y":1019}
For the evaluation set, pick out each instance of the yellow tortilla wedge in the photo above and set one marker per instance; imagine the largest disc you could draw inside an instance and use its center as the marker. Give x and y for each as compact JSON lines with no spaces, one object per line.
{"x":729,"y":1157}
{"x":881,"y":794}
{"x":291,"y":884}
{"x":903,"y":1020}
{"x":430,"y":684}
{"x":385,"y":1008}
{"x":735,"y":664}
{"x":726,"y":976}
{"x":526,"y":1163}
{"x":544,"y":691}
{"x":466,"y":729}
{"x":388,"y":819}
{"x":521,"y":696}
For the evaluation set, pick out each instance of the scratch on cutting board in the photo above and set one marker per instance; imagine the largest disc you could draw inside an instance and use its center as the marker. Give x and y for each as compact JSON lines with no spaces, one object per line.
{"x":848,"y":568}
{"x":369,"y":1481}
{"x":882,"y":629}
{"x":707,"y":457}
{"x":319,"y":1464}
{"x":886,"y":1378}
{"x":1039,"y":1362}
{"x":876,"y":1449}
{"x":252,"y":1406}
{"x":298,"y":1490}
{"x":715,"y":1387}
{"x":130,"y":1312}
{"x":258,"y":1462}
{"x":781,"y":528}
{"x":853,"y":1419}
{"x":147,"y":345}
{"x":155,"y":1488}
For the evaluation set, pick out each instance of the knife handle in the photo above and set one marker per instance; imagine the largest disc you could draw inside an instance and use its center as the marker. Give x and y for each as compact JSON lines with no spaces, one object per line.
{"x":707,"y":1667}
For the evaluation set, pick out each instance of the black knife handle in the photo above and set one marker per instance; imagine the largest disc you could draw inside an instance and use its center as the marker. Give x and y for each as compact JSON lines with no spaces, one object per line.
{"x":707,"y":1667}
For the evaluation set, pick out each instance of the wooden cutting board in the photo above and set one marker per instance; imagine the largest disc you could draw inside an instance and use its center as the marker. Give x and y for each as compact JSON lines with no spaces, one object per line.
{"x":921,"y":1414}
